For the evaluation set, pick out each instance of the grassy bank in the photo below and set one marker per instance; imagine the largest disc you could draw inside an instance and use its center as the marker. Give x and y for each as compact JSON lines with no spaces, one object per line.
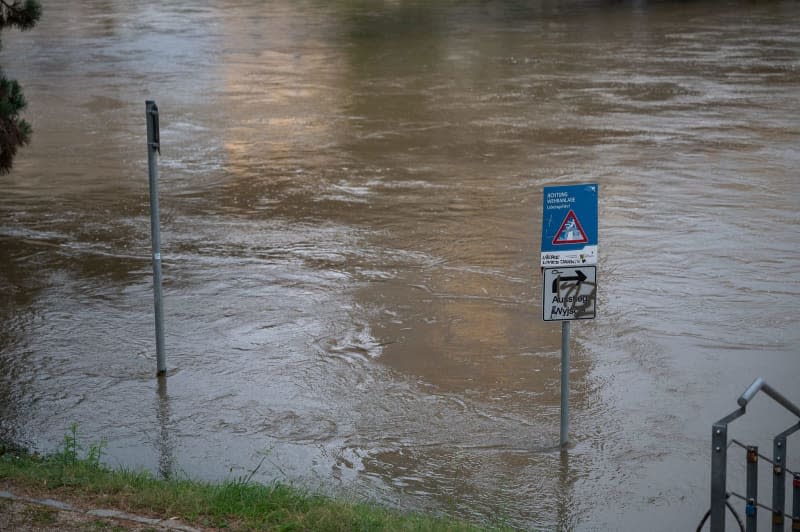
{"x":75,"y":474}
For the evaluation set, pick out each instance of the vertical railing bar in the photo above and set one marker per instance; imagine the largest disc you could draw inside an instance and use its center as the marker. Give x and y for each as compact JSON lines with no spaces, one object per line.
{"x":719,"y":461}
{"x":778,"y":482}
{"x":751,"y":508}
{"x":796,"y":502}
{"x":719,"y":464}
{"x":779,"y":477}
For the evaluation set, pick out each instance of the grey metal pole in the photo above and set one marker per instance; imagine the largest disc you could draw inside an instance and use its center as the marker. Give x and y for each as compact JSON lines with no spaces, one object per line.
{"x":564,"y":439}
{"x":778,"y":481}
{"x":153,"y":146}
{"x":751,"y":508}
{"x":719,"y":464}
{"x":796,"y":502}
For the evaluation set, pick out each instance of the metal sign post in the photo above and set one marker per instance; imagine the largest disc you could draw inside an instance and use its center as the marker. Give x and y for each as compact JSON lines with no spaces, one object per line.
{"x":569,"y":258}
{"x":153,"y":147}
{"x":563,"y":433}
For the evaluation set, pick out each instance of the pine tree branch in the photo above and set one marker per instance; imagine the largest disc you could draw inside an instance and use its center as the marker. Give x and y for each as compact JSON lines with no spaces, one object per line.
{"x":23,"y":15}
{"x":14,"y":131}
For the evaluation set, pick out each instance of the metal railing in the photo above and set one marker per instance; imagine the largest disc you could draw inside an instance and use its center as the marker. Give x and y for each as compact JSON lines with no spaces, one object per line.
{"x":719,"y":461}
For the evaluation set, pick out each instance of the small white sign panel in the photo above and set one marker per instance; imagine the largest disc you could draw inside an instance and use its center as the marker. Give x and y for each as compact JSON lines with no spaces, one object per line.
{"x":570,"y":293}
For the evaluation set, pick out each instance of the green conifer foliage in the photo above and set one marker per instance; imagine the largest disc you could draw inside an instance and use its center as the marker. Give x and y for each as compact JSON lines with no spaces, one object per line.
{"x":14,"y":131}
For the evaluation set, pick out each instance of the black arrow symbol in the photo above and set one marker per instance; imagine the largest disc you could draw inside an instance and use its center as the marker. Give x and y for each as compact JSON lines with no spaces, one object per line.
{"x":580,"y":277}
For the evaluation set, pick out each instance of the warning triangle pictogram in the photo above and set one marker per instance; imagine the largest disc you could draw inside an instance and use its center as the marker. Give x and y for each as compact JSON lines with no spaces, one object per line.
{"x":571,"y":231}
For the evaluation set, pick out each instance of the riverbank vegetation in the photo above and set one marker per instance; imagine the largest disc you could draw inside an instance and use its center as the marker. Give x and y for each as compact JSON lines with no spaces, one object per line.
{"x":77,"y":474}
{"x":14,"y":131}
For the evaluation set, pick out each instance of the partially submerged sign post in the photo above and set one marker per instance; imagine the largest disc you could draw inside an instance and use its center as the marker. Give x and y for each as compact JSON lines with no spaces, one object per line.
{"x":153,"y":148}
{"x":569,"y":267}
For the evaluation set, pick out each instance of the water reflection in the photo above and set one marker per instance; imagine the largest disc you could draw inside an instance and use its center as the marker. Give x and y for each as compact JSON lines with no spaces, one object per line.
{"x":565,"y":507}
{"x":165,"y":441}
{"x":17,"y":293}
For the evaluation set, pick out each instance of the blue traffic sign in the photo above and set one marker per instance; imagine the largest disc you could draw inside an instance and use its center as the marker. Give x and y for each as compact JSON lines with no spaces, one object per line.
{"x":569,"y":225}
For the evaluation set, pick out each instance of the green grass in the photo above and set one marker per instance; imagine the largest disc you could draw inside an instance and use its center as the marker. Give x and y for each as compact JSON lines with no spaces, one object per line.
{"x":236,"y":505}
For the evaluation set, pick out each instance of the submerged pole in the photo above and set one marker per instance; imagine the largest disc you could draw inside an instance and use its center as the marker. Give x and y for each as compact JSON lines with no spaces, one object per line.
{"x":564,"y":439}
{"x":153,"y":146}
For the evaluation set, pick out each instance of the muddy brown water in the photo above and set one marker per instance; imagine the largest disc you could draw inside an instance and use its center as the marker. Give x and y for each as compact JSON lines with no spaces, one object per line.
{"x":351,"y":204}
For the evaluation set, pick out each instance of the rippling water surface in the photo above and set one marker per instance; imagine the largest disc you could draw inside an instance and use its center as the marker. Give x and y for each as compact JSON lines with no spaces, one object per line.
{"x":351,"y":200}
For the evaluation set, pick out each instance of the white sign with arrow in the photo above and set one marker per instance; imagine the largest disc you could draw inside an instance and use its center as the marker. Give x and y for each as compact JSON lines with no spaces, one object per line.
{"x":570,"y":293}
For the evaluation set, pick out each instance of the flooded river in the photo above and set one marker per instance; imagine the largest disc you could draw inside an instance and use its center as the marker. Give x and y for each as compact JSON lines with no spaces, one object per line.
{"x":351,"y":204}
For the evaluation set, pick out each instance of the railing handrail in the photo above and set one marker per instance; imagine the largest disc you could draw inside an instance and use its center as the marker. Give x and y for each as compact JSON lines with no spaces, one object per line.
{"x":719,"y":459}
{"x":760,"y":384}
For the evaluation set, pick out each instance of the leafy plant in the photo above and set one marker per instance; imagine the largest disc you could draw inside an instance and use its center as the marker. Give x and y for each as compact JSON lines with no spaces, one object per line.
{"x":69,"y":453}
